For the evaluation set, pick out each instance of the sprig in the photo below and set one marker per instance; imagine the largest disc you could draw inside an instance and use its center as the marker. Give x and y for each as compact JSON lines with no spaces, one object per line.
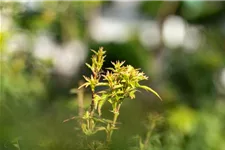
{"x":120,"y":82}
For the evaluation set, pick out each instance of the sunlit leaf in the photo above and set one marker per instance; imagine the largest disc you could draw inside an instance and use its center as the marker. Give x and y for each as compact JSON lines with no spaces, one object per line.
{"x":94,"y":52}
{"x":150,"y":90}
{"x":117,"y":86}
{"x":86,"y":78}
{"x":85,"y":84}
{"x":102,"y":84}
{"x":132,"y":94}
{"x":89,"y":66}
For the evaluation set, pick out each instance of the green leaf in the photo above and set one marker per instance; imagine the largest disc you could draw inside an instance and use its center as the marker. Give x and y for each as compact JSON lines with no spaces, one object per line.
{"x":117,"y":86}
{"x":86,"y":78}
{"x":150,"y":89}
{"x":89,"y":66}
{"x":86,"y":115}
{"x":101,"y":103}
{"x":110,"y":101}
{"x":84,"y":128}
{"x":120,"y":92}
{"x":123,"y":81}
{"x":97,"y":98}
{"x":16,"y":145}
{"x":102,"y":84}
{"x":94,"y":52}
{"x":100,"y":128}
{"x":132,"y":94}
{"x":102,"y":120}
{"x":85,"y":84}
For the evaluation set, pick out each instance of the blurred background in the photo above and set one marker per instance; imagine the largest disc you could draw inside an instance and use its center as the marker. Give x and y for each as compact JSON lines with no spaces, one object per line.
{"x":179,"y":45}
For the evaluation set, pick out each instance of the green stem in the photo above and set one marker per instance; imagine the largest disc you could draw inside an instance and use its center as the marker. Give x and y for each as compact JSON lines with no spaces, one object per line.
{"x":112,"y":126}
{"x":115,"y":119}
{"x":147,"y":139}
{"x":108,"y":137}
{"x":92,"y":105}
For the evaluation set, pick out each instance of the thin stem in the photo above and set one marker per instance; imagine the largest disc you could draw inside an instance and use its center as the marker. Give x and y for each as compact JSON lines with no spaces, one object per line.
{"x":88,"y":123}
{"x":93,"y":95}
{"x":108,"y":137}
{"x":80,"y":94}
{"x":147,"y":139}
{"x":112,"y":126}
{"x":92,"y":105}
{"x":115,"y":119}
{"x":116,"y":114}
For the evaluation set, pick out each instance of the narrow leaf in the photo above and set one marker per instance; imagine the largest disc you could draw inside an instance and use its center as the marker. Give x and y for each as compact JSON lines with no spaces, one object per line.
{"x":85,"y":84}
{"x":151,"y":90}
{"x":102,"y":84}
{"x":94,"y":52}
{"x":87,"y":79}
{"x":89,"y":66}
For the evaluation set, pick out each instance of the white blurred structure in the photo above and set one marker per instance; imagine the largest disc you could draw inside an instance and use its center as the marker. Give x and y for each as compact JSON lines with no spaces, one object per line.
{"x":121,"y":20}
{"x":104,"y":29}
{"x":44,"y":46}
{"x":6,"y":22}
{"x":219,"y":81}
{"x":32,"y":5}
{"x":149,"y":34}
{"x":222,"y":26}
{"x":116,"y":23}
{"x":193,"y":39}
{"x":222,"y":78}
{"x":66,"y":58}
{"x":123,"y":10}
{"x":173,"y":31}
{"x":18,"y":42}
{"x":69,"y":58}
